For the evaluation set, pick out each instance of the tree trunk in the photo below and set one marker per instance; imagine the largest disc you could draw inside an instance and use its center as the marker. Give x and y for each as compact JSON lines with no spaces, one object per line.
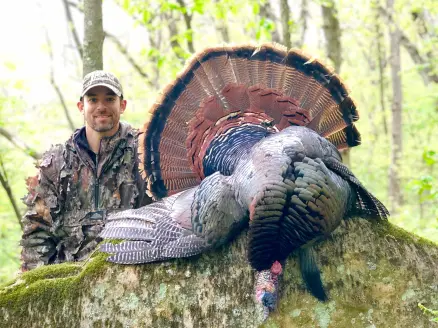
{"x":72,"y":28}
{"x":220,"y":14}
{"x":267,"y":11}
{"x":303,"y":22}
{"x":178,"y":50}
{"x":188,"y":22}
{"x":375,"y":274}
{"x":425,"y":65}
{"x":381,"y":57}
{"x":93,"y":36}
{"x":55,"y":85}
{"x":332,"y":33}
{"x":285,"y":17}
{"x":395,"y":195}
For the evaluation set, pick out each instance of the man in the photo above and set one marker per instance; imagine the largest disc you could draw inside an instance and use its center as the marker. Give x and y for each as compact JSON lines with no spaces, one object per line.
{"x":79,"y":182}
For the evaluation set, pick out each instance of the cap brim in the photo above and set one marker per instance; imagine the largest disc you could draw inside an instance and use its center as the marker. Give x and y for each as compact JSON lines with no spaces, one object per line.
{"x":117,"y":92}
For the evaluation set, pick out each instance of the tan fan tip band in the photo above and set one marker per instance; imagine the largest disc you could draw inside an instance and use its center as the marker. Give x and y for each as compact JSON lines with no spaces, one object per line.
{"x":226,"y":86}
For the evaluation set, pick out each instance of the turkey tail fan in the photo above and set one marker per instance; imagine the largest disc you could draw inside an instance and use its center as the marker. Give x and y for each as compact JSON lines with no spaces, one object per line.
{"x":231,"y":86}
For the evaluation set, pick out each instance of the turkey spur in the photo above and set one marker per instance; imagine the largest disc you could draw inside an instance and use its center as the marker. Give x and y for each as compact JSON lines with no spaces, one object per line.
{"x":246,"y":136}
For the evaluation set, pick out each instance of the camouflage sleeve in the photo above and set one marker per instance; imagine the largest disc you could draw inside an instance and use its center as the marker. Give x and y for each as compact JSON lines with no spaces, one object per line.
{"x":38,"y":240}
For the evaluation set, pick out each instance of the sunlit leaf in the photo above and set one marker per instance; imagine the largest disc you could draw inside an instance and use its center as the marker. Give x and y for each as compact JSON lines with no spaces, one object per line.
{"x":430,"y":157}
{"x":198,"y":6}
{"x":10,"y":65}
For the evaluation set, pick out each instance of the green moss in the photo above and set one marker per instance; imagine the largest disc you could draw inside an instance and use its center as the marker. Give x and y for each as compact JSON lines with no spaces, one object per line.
{"x":51,"y":272}
{"x":271,"y":325}
{"x":40,"y":292}
{"x":95,"y":266}
{"x":8,"y":283}
{"x":385,"y":228}
{"x":50,"y":284}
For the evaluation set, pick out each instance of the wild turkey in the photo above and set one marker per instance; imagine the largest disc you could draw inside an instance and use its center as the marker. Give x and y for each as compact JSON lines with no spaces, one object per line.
{"x":246,"y":132}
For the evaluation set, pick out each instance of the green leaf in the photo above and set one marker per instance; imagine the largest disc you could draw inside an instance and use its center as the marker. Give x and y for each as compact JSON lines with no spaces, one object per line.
{"x":198,"y":6}
{"x":146,"y":16}
{"x":255,"y":8}
{"x":126,"y":4}
{"x":430,"y":157}
{"x":10,"y":65}
{"x":160,"y":62}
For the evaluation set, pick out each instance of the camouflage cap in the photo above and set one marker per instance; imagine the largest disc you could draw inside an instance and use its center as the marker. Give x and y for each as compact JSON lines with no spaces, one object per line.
{"x":102,"y":78}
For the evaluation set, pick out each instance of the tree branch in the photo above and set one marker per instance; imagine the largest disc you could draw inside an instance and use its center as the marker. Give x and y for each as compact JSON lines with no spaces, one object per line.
{"x":5,"y":184}
{"x":425,"y":71}
{"x":130,"y":59}
{"x":55,"y":86}
{"x":121,"y":48}
{"x":20,"y":144}
{"x":221,"y":25}
{"x":188,"y":21}
{"x":174,"y":43}
{"x":72,"y":26}
{"x":424,"y":20}
{"x":223,"y":29}
{"x":156,"y":43}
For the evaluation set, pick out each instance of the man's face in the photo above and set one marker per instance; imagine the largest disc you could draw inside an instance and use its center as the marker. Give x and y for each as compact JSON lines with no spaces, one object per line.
{"x":102,"y":109}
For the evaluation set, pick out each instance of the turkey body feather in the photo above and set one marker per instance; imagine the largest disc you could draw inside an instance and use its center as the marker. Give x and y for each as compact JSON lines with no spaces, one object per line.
{"x":246,"y":137}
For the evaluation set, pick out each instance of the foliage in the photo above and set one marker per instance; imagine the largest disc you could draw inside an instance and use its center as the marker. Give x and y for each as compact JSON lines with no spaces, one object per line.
{"x":429,"y":312}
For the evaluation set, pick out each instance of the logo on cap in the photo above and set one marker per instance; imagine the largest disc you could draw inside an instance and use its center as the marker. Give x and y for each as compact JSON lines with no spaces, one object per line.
{"x":101,"y":78}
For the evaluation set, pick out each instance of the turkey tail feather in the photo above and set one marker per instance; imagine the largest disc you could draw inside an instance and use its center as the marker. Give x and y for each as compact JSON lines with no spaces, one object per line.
{"x":366,"y":202}
{"x":224,"y":87}
{"x":311,"y":274}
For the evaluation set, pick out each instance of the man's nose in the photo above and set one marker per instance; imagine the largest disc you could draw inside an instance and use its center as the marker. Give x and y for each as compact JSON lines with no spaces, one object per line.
{"x":101,"y":105}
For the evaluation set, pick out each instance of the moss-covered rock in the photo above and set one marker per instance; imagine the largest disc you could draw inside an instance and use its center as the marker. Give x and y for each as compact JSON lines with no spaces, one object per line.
{"x":376,"y":274}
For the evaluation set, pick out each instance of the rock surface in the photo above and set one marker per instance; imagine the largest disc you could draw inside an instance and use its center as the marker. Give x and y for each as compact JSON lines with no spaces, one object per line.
{"x":375,"y":274}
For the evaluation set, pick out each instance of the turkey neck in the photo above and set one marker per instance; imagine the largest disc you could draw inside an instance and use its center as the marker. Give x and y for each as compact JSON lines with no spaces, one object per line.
{"x":232,"y":146}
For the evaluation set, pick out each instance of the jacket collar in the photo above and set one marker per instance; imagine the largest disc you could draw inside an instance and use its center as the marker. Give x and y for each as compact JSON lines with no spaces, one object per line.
{"x":80,"y":144}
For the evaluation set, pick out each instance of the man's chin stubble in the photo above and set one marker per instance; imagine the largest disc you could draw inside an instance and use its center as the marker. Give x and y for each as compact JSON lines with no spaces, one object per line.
{"x":103,"y":128}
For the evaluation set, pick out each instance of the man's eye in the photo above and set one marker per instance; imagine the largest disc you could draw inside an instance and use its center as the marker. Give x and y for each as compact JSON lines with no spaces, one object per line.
{"x":93,"y":100}
{"x":111,"y":99}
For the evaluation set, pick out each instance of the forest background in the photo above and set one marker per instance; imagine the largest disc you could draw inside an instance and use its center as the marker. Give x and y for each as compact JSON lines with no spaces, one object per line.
{"x":386,"y":52}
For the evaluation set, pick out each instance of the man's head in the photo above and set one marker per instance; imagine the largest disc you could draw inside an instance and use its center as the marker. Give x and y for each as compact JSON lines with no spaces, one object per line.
{"x":102,"y":102}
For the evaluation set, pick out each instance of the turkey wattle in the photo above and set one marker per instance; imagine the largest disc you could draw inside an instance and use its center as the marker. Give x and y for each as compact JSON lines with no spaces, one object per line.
{"x":246,"y":134}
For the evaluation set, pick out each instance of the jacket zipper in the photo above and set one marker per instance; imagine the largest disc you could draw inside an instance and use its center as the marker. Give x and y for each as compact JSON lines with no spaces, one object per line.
{"x":96,"y":183}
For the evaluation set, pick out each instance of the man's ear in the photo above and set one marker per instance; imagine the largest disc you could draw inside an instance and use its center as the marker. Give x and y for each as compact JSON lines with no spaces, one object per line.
{"x":80,"y":105}
{"x":123,"y":104}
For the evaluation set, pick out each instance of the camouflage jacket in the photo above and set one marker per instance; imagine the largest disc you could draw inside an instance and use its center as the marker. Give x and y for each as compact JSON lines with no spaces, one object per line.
{"x":74,"y":191}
